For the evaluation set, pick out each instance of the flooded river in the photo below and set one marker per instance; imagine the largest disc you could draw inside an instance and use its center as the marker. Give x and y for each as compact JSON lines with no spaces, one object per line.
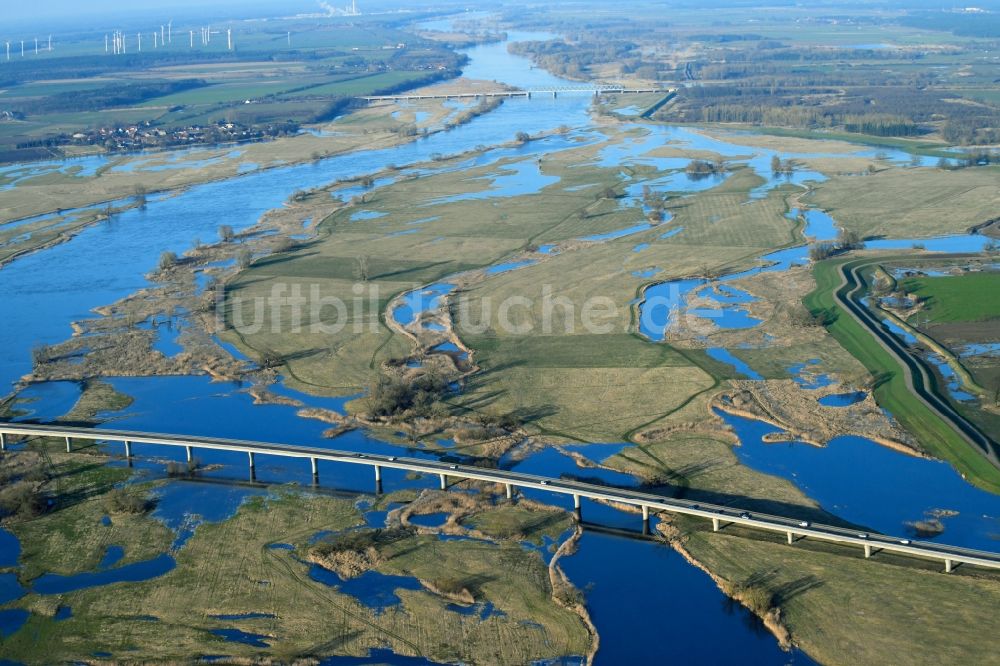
{"x":644,"y":598}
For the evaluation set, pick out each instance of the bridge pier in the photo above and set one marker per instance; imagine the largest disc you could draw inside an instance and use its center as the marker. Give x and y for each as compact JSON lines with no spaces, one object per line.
{"x":645,"y":520}
{"x":949,"y":566}
{"x":576,"y":507}
{"x":791,"y":538}
{"x":69,"y":445}
{"x":253,"y":468}
{"x":128,"y":449}
{"x":715,"y":524}
{"x":444,"y":482}
{"x":3,"y":442}
{"x":554,"y":94}
{"x":868,"y":550}
{"x":510,"y":491}
{"x":378,"y":474}
{"x":189,"y":451}
{"x":315,"y":469}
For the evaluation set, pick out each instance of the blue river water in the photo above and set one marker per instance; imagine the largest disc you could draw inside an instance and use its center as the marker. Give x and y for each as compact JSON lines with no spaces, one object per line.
{"x":889,"y":491}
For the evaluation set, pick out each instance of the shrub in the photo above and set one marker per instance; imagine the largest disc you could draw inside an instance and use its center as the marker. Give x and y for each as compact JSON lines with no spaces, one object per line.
{"x":822,"y":250}
{"x":244,"y":258}
{"x":359,"y":541}
{"x":449,"y":585}
{"x":168,"y":260}
{"x":21,"y":500}
{"x":121,"y":501}
{"x":758,"y":598}
{"x":390,"y":396}
{"x":269,"y":358}
{"x":41,"y":354}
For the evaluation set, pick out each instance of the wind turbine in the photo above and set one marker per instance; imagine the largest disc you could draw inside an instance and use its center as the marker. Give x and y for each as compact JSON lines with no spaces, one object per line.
{"x":105,"y":43}
{"x":191,"y":32}
{"x":170,"y":37}
{"x":36,"y":45}
{"x":162,"y":33}
{"x":50,"y":43}
{"x":138,"y":36}
{"x":229,"y":38}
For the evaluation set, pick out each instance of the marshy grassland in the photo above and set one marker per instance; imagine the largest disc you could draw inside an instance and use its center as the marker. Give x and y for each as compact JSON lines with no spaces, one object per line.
{"x":232,"y":567}
{"x":911,"y":203}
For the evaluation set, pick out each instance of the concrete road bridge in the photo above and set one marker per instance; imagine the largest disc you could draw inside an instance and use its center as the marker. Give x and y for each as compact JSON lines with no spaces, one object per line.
{"x":527,"y":94}
{"x":794,"y":529}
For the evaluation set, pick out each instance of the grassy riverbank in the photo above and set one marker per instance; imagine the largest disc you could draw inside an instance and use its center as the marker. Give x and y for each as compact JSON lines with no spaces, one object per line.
{"x":891,"y":390}
{"x":843,"y":609}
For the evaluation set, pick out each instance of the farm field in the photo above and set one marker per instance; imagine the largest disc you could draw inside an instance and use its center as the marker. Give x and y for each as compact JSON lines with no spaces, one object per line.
{"x":269,"y":79}
{"x":959,"y":312}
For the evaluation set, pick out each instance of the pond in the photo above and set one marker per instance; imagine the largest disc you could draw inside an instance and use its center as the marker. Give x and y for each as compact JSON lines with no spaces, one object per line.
{"x":130,"y":573}
{"x":843,"y":399}
{"x":374,"y":590}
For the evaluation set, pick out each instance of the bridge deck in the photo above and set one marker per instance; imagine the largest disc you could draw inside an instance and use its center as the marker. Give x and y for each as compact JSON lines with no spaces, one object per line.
{"x":793,"y":528}
{"x":594,"y":90}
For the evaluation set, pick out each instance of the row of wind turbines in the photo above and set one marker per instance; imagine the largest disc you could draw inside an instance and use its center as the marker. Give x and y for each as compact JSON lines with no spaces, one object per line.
{"x":37,"y":49}
{"x":117,"y":44}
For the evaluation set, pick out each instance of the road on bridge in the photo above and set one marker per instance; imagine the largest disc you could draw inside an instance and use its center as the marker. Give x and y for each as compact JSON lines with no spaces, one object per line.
{"x":794,"y":529}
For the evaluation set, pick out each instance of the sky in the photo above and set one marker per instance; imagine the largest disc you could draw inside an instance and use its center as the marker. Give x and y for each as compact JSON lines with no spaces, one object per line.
{"x":97,"y":10}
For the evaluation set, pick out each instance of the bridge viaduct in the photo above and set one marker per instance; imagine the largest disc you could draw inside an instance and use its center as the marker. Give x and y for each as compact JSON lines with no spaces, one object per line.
{"x":527,"y":94}
{"x":793,"y":529}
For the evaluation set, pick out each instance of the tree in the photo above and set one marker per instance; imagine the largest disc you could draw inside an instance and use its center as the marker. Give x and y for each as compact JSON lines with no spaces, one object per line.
{"x":522,"y":137}
{"x":226,"y":233}
{"x":168,"y":260}
{"x":244,"y":258}
{"x":775,"y":164}
{"x":848,"y":239}
{"x":269,"y":358}
{"x":140,"y":196}
{"x":362,"y":270}
{"x":41,"y":354}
